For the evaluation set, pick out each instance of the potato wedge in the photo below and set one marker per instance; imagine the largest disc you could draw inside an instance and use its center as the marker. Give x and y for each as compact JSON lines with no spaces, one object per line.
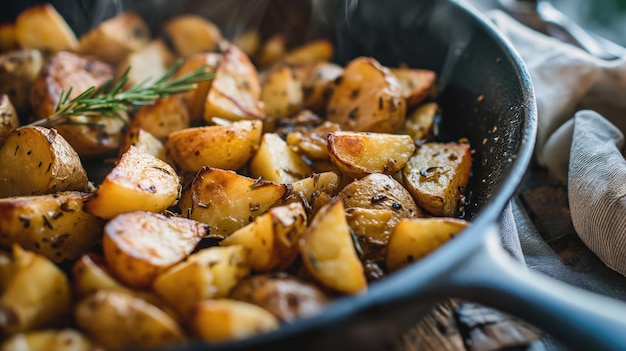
{"x":114,"y":39}
{"x":420,"y":124}
{"x":42,"y":27}
{"x":8,"y":39}
{"x":275,"y":161}
{"x":416,"y":84}
{"x":216,"y":321}
{"x":210,"y":273}
{"x":272,"y":50}
{"x":317,"y":85}
{"x":308,"y":189}
{"x":55,"y":226}
{"x":367,"y":98}
{"x":139,"y":182}
{"x":248,"y":42}
{"x":145,"y":142}
{"x":235,"y":93}
{"x":118,"y":321}
{"x":314,"y":50}
{"x":312,"y":143}
{"x":228,"y":201}
{"x":413,"y":239}
{"x":192,"y":34}
{"x":36,"y":161}
{"x":90,"y":275}
{"x":18,"y":71}
{"x":8,"y":118}
{"x":226,"y":147}
{"x":148,"y":63}
{"x":271,"y":291}
{"x":35,"y":293}
{"x":48,"y":340}
{"x":281,"y":93}
{"x":196,"y":98}
{"x":437,"y":176}
{"x":167,"y":115}
{"x":272,"y":238}
{"x":328,"y":252}
{"x":358,"y":154}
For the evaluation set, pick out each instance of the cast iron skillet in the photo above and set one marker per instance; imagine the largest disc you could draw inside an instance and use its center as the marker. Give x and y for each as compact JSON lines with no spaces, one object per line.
{"x":472,"y":61}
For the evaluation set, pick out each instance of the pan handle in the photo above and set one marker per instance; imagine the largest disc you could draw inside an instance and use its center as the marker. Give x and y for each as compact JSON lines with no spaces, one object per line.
{"x":579,"y":319}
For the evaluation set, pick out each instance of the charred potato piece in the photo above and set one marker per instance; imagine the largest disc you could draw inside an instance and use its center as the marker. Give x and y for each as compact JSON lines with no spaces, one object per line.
{"x":317,"y":85}
{"x":36,"y":161}
{"x":281,"y":93}
{"x":228,"y":201}
{"x":413,"y":239}
{"x":358,"y":154}
{"x":216,"y":321}
{"x":196,"y":98}
{"x":276,"y":162}
{"x":272,"y":291}
{"x":35,"y":294}
{"x":272,"y":238}
{"x":367,"y":98}
{"x":42,"y":27}
{"x":313,"y":143}
{"x":18,"y":71}
{"x":416,"y":84}
{"x":8,"y":39}
{"x":420,"y":124}
{"x":118,"y":321}
{"x":48,"y":340}
{"x":114,"y":39}
{"x":138,"y":246}
{"x":139,"y":182}
{"x":149,"y":63}
{"x":328,"y":252}
{"x":55,"y":225}
{"x":226,"y":147}
{"x":314,"y":50}
{"x":210,"y":273}
{"x":437,"y":176}
{"x":167,"y":115}
{"x":145,"y":142}
{"x":191,"y":34}
{"x":8,"y":118}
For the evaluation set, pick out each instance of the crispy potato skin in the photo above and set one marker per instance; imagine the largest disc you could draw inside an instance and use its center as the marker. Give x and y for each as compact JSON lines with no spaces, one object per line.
{"x":8,"y":118}
{"x":18,"y":71}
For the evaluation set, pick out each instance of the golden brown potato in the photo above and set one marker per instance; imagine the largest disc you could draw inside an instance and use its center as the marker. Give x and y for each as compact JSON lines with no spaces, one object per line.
{"x":226,"y":147}
{"x":317,"y":85}
{"x":115,"y":38}
{"x":35,"y":292}
{"x":216,"y":321}
{"x":48,"y":340}
{"x":248,"y":42}
{"x":437,"y":175}
{"x":196,"y":98}
{"x":167,"y":115}
{"x":148,"y":63}
{"x":272,"y":291}
{"x":145,"y":142}
{"x":235,"y":93}
{"x":192,"y":34}
{"x":420,"y":123}
{"x":367,"y":98}
{"x":18,"y":71}
{"x":275,"y":161}
{"x":139,"y":182}
{"x":228,"y":201}
{"x":314,"y":50}
{"x":328,"y":252}
{"x":413,"y":239}
{"x":55,"y":225}
{"x":272,"y":238}
{"x":358,"y":154}
{"x":36,"y":161}
{"x":90,"y":275}
{"x":42,"y":27}
{"x":308,"y":189}
{"x":416,"y":84}
{"x":210,"y":273}
{"x":118,"y":321}
{"x":272,"y":50}
{"x":8,"y":39}
{"x":8,"y":118}
{"x":281,"y":93}
{"x":313,"y":143}
{"x":138,"y":246}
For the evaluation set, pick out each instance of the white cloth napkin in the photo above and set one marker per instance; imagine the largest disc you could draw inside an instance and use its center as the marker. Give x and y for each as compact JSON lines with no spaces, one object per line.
{"x":581,"y":103}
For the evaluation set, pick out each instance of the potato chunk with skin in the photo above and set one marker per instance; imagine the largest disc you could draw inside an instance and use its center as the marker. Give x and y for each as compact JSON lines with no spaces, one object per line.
{"x":328,"y":252}
{"x":139,"y":182}
{"x":413,"y":239}
{"x":314,"y":50}
{"x":281,"y":93}
{"x":313,"y":143}
{"x":196,"y":98}
{"x":191,"y":34}
{"x":37,"y":161}
{"x":437,"y":175}
{"x":276,"y":162}
{"x":48,"y":340}
{"x":8,"y":118}
{"x":317,"y":85}
{"x":358,"y":154}
{"x":367,"y":98}
{"x":118,"y":321}
{"x":42,"y":27}
{"x":226,"y":147}
{"x":145,"y":142}
{"x":18,"y":71}
{"x":90,"y":275}
{"x":138,"y":246}
{"x":416,"y":84}
{"x":420,"y":124}
{"x":149,"y":63}
{"x":167,"y":115}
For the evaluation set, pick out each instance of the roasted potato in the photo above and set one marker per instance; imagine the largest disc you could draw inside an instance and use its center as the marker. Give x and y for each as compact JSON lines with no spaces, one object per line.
{"x":276,"y":162}
{"x":49,"y":340}
{"x":272,"y":238}
{"x":36,"y":161}
{"x":312,"y":143}
{"x":195,"y":99}
{"x":228,"y":201}
{"x":317,"y":84}
{"x":216,"y":321}
{"x":413,"y":239}
{"x":54,"y":225}
{"x":281,"y":93}
{"x":210,"y":273}
{"x":192,"y":34}
{"x":139,"y":182}
{"x":358,"y":154}
{"x":420,"y":124}
{"x":18,"y":71}
{"x":248,"y":42}
{"x":138,"y":246}
{"x":367,"y":97}
{"x":271,"y":291}
{"x":437,"y":175}
{"x":314,"y":50}
{"x":145,"y":142}
{"x":148,"y":63}
{"x":118,"y":321}
{"x":167,"y":115}
{"x":308,"y":189}
{"x":42,"y":27}
{"x":114,"y":39}
{"x":8,"y":39}
{"x":90,"y":275}
{"x":272,"y":50}
{"x":8,"y":118}
{"x":226,"y":147}
{"x":416,"y":84}
{"x":35,"y":292}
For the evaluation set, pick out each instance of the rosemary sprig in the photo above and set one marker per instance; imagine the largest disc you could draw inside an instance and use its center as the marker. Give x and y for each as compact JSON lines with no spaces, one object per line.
{"x":110,"y":99}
